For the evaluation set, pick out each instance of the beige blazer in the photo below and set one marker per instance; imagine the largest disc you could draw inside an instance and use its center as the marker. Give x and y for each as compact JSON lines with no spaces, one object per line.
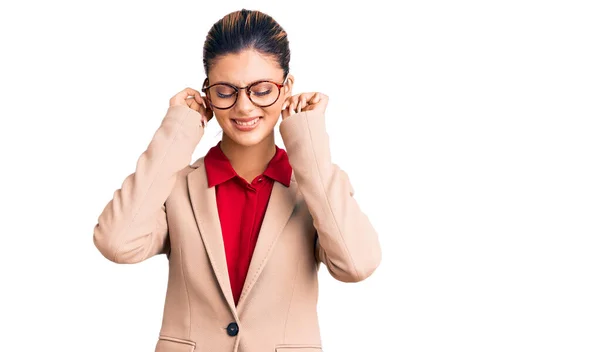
{"x":166,"y":207}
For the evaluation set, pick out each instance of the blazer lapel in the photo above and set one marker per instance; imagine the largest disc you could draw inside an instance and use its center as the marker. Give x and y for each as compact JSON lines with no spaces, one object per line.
{"x":279,"y":209}
{"x":204,"y":205}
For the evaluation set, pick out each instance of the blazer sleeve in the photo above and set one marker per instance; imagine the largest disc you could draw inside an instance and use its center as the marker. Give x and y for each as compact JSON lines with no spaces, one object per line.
{"x":133,"y":225}
{"x":346,"y":241}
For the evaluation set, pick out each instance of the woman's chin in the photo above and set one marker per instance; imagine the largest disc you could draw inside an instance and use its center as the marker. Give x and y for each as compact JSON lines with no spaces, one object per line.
{"x":251,"y":137}
{"x":247,"y":139}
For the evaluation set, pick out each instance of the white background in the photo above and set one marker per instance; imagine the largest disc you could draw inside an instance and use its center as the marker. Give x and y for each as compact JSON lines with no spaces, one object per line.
{"x":470,"y":131}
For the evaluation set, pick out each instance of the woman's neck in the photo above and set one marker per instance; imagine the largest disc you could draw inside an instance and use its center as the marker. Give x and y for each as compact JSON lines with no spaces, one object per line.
{"x":251,"y":161}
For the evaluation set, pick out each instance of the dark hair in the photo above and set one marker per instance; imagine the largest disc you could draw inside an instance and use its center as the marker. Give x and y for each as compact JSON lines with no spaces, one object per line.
{"x":247,"y":29}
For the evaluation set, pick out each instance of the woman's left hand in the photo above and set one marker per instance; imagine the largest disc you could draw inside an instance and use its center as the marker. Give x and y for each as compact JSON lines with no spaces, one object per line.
{"x":313,"y":101}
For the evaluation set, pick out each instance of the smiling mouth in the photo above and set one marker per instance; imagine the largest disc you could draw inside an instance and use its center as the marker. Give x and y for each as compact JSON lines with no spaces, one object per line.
{"x":247,"y":123}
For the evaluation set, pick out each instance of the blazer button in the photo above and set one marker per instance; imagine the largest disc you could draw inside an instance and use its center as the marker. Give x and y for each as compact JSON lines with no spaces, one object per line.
{"x":232,"y":329}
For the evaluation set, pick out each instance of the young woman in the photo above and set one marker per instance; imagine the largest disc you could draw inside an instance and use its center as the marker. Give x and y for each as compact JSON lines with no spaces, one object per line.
{"x":245,"y":227}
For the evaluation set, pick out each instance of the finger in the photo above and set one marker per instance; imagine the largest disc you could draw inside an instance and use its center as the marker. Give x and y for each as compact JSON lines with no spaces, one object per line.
{"x":285,"y":114}
{"x":181,"y":97}
{"x":205,"y":113}
{"x":292,"y":104}
{"x":207,"y":103}
{"x":285,"y":110}
{"x":301,"y":103}
{"x":315,"y":98}
{"x":200,"y":99}
{"x":318,"y":102}
{"x":298,"y":103}
{"x":189,"y":92}
{"x":292,"y":100}
{"x":207,"y":106}
{"x":285,"y":103}
{"x":193,"y":104}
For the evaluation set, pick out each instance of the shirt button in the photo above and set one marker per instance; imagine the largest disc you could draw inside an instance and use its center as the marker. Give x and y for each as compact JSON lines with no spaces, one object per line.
{"x":232,"y":329}
{"x":260,"y":179}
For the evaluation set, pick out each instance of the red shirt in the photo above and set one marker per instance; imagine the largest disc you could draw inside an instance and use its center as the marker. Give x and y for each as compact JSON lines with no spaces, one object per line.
{"x":242,"y":207}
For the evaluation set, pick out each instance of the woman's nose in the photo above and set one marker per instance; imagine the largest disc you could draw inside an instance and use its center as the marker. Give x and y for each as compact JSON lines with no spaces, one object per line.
{"x":243,"y":102}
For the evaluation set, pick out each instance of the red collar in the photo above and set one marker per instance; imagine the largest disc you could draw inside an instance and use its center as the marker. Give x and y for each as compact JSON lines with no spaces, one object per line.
{"x":219,"y":169}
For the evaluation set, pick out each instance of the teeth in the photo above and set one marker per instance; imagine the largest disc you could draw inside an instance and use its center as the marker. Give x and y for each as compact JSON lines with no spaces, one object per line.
{"x":249,"y":123}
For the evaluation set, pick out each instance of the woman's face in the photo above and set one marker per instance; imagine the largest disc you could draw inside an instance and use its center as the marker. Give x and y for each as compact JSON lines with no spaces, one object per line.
{"x":241,"y":70}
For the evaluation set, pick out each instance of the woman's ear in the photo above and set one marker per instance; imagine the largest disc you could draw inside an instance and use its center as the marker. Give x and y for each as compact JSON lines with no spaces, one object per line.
{"x":289,"y":83}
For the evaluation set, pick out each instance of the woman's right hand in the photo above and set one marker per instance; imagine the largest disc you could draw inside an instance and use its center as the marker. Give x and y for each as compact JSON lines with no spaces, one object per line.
{"x":194,"y":100}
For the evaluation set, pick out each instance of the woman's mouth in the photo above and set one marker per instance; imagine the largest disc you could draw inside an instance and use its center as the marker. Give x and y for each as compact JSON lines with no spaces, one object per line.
{"x":246,"y":124}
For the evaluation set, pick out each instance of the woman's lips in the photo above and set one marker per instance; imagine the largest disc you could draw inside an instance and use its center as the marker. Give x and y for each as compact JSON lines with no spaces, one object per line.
{"x":246,"y":124}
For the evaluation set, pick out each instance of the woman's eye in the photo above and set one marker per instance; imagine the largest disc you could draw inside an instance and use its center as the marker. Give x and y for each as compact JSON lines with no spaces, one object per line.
{"x":224,"y":96}
{"x":263,"y":93}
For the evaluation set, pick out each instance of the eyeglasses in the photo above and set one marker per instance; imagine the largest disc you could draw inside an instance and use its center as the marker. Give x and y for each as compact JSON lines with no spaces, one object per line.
{"x":224,"y":95}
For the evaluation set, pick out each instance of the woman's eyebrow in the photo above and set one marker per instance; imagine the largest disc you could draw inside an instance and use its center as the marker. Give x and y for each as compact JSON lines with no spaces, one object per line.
{"x":258,"y":80}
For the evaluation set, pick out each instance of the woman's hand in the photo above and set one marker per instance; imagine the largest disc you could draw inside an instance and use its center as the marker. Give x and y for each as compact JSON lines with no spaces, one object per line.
{"x":313,"y":101}
{"x":194,"y":100}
